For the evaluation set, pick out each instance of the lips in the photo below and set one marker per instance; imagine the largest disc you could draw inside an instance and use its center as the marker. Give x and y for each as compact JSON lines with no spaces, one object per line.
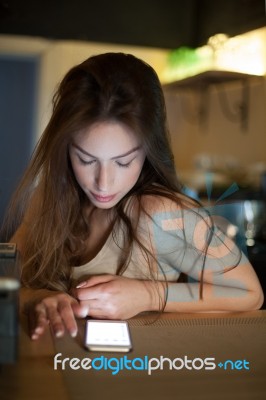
{"x":103,"y":199}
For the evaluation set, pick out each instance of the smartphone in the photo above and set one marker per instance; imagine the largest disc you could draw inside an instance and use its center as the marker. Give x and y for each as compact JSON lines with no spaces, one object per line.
{"x":106,"y":335}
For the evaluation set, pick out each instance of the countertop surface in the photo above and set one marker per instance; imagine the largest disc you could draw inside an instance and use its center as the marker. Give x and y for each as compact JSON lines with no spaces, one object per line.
{"x":171,"y":353}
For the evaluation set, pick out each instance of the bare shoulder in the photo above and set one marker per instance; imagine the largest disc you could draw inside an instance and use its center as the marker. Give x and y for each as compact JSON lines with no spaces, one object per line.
{"x":174,"y":202}
{"x":168,"y":210}
{"x":175,"y":213}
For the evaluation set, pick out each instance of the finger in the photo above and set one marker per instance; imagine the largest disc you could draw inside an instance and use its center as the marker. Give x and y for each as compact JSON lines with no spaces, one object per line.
{"x":93,"y":308}
{"x":86,"y":308}
{"x":68,"y":317}
{"x":95,"y":280}
{"x":56,"y":321}
{"x":99,"y":313}
{"x":38,"y":321}
{"x":81,"y":310}
{"x":91,"y":293}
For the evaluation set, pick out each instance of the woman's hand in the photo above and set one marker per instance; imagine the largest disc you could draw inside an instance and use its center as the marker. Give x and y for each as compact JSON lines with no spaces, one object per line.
{"x":115,"y":297}
{"x":51,"y":308}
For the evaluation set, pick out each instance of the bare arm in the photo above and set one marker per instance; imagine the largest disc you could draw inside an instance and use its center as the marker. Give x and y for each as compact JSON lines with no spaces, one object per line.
{"x":116,"y":297}
{"x":194,"y":245}
{"x":229,"y":282}
{"x":236,"y":290}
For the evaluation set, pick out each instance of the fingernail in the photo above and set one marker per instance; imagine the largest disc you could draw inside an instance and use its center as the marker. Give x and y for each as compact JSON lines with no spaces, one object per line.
{"x":73,"y":334}
{"x":80,"y":285}
{"x":59,"y":334}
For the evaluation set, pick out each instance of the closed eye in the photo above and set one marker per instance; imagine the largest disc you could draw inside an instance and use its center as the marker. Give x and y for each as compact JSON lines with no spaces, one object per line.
{"x":122,"y":165}
{"x":84,"y":162}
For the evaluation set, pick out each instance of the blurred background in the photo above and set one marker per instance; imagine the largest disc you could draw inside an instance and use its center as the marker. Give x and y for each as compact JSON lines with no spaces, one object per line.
{"x":210,"y":56}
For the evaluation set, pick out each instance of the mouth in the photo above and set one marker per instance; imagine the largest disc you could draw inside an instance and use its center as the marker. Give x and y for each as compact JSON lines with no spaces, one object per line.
{"x":103,"y":199}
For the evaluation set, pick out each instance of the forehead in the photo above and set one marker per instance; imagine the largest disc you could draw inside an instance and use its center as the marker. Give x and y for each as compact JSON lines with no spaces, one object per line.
{"x":106,"y":139}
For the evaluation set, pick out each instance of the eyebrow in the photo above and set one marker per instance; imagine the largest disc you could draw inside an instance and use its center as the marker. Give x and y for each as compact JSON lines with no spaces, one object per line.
{"x":113,"y":158}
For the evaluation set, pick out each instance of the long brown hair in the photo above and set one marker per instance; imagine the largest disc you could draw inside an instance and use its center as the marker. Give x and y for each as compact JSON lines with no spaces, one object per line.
{"x":107,"y":87}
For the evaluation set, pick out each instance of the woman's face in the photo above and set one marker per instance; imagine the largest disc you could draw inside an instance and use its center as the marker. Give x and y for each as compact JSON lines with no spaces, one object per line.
{"x":107,"y":159}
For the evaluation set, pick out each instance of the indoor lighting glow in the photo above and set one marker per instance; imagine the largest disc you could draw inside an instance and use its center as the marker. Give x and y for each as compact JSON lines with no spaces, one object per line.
{"x":243,"y":53}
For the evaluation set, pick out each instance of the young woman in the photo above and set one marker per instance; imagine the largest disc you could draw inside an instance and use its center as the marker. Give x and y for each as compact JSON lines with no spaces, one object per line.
{"x":99,"y":218}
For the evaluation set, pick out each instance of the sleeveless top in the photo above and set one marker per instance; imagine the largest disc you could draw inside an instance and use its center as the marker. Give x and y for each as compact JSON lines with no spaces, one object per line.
{"x":107,"y":260}
{"x":177,"y":240}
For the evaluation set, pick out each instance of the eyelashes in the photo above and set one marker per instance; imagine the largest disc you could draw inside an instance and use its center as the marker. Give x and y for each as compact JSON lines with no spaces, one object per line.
{"x":83,"y":162}
{"x":123,"y":165}
{"x":119,"y":164}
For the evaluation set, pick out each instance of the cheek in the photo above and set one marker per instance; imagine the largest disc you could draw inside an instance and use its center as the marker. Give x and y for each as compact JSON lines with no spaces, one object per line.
{"x":81,"y":176}
{"x":131,"y":178}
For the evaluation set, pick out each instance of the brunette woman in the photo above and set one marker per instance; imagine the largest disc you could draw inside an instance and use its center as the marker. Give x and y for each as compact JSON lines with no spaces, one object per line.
{"x":100,"y":219}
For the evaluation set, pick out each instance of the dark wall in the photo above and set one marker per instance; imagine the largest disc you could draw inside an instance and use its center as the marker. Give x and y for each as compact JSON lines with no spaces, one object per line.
{"x":156,"y":23}
{"x":17,"y":109}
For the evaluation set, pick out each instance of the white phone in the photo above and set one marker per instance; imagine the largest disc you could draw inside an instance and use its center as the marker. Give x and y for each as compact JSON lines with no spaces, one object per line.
{"x":106,"y":335}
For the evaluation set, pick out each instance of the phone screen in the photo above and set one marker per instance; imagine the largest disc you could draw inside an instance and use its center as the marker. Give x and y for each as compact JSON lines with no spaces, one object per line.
{"x":102,"y":335}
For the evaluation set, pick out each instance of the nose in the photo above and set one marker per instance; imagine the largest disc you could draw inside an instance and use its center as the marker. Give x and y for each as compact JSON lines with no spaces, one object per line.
{"x":103,"y":178}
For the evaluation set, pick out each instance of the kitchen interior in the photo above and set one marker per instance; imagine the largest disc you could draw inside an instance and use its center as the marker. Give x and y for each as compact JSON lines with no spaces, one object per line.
{"x":211,"y":59}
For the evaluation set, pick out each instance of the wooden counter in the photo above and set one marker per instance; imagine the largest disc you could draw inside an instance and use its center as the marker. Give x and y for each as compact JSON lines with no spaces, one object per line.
{"x":233,"y":336}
